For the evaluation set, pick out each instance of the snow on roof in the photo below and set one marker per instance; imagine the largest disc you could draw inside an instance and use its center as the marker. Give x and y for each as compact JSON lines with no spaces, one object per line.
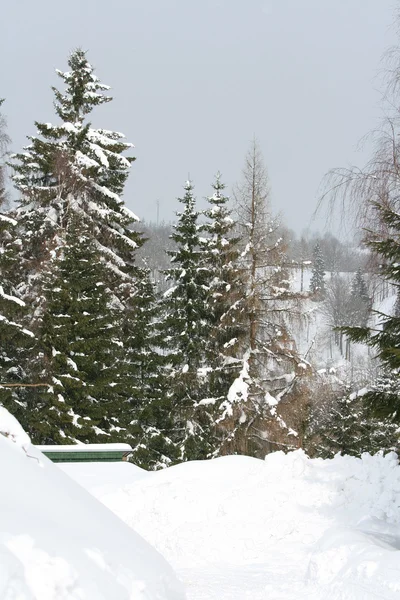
{"x":85,"y":448}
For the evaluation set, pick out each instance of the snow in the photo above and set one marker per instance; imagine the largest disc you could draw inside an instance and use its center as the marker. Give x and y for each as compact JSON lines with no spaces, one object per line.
{"x":10,"y":298}
{"x":84,"y":447}
{"x":286,"y":528}
{"x":6,"y":219}
{"x":11,"y":429}
{"x":58,"y":543}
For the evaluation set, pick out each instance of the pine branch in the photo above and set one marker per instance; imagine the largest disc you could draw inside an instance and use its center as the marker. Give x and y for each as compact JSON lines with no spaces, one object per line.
{"x":24,"y":385}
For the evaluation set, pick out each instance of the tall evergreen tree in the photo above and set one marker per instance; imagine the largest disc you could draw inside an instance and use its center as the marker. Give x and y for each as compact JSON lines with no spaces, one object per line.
{"x":317,"y":283}
{"x":72,"y":168}
{"x":185,"y":300}
{"x":185,"y":332}
{"x":360,"y":304}
{"x":14,"y":338}
{"x":146,"y":373}
{"x":224,"y":298}
{"x":385,"y":339}
{"x":78,"y":350}
{"x":71,"y":178}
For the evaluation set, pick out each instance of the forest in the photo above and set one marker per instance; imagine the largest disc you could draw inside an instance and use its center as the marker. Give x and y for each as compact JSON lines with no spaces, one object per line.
{"x":223,"y":332}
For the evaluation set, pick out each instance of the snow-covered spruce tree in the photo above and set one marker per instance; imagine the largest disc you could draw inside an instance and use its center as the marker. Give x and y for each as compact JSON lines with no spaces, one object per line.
{"x":360,"y":301}
{"x":73,"y":171}
{"x":224,"y":298}
{"x":73,"y":168}
{"x":384,"y":396}
{"x":317,"y":282}
{"x":265,"y":408}
{"x":77,"y":351}
{"x":15,"y":340}
{"x":351,"y":428}
{"x":185,"y":333}
{"x":145,"y":371}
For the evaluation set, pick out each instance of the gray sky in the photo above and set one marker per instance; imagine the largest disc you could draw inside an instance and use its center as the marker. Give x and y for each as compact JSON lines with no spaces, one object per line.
{"x":193,"y":80}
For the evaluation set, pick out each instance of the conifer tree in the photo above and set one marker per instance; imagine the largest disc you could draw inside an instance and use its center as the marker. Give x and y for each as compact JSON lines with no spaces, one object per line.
{"x":317,"y":283}
{"x":351,"y":428}
{"x":145,"y":375}
{"x":185,"y":332}
{"x":360,"y":304}
{"x":250,"y":414}
{"x":225,"y":293}
{"x":14,"y":338}
{"x":185,"y":300}
{"x":71,"y":168}
{"x":385,"y":339}
{"x":77,"y":350}
{"x":71,"y":176}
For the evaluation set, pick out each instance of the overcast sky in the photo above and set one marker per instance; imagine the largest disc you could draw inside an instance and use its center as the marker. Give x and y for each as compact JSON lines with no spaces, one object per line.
{"x":194,"y":80}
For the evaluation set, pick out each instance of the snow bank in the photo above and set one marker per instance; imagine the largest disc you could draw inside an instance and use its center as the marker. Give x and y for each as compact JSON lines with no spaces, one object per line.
{"x":287,"y":527}
{"x":58,"y":543}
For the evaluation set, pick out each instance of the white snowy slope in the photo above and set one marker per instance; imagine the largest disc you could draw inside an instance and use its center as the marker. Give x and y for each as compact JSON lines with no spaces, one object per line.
{"x":285,"y":528}
{"x":58,"y":543}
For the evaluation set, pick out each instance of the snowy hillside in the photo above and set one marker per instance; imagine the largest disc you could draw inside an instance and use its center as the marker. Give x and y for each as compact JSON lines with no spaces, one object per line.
{"x":58,"y":543}
{"x":313,"y":332}
{"x":285,"y":528}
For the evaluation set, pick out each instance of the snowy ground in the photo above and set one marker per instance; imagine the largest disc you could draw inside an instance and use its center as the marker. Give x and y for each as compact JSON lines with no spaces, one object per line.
{"x":285,"y":528}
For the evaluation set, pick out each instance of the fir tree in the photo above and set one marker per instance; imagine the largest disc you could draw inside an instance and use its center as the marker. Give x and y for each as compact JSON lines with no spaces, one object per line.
{"x":384,"y":396}
{"x":317,"y":283}
{"x":71,"y":177}
{"x":185,"y":332}
{"x":15,"y":339}
{"x":224,"y":298}
{"x":360,"y":303}
{"x":185,"y":300}
{"x":72,"y":168}
{"x":77,"y":350}
{"x":145,"y":372}
{"x":351,"y":428}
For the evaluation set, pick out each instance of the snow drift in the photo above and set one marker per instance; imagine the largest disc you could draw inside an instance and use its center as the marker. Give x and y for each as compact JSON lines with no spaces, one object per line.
{"x":58,"y":543}
{"x":285,"y":528}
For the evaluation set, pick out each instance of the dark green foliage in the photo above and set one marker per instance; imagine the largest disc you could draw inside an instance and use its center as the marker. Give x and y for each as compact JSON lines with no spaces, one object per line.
{"x":353,"y":426}
{"x":78,"y":267}
{"x":72,"y":168}
{"x":185,"y":331}
{"x":385,"y":339}
{"x":224,"y":303}
{"x":77,"y":350}
{"x":144,"y":375}
{"x":15,"y":340}
{"x":185,"y":301}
